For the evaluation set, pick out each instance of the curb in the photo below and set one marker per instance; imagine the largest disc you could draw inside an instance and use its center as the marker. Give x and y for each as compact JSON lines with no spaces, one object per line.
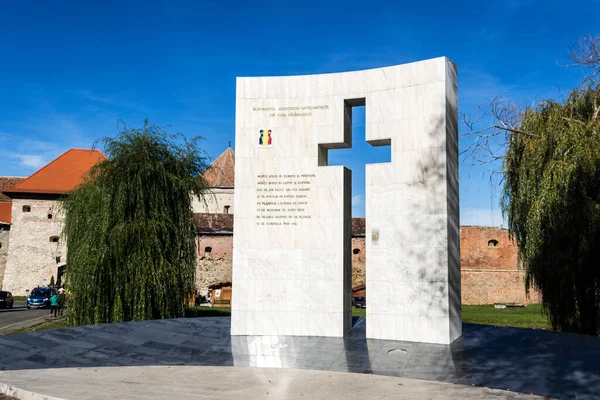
{"x":24,"y":394}
{"x":19,"y":325}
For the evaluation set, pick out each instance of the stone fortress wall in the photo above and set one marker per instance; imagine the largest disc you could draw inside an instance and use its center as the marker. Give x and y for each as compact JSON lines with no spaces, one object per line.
{"x":489,"y":274}
{"x":4,"y":235}
{"x":214,"y":259}
{"x":32,"y":259}
{"x":490,"y":271}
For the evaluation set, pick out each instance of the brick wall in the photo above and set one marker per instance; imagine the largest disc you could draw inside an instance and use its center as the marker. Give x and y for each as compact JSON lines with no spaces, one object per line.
{"x":487,"y":287}
{"x":490,"y":272}
{"x":32,"y":257}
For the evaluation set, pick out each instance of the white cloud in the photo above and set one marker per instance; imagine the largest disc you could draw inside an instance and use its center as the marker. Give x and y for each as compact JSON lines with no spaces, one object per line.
{"x":357,"y":200}
{"x":29,"y":161}
{"x":32,"y":161}
{"x":26,"y":155}
{"x":482,"y":217}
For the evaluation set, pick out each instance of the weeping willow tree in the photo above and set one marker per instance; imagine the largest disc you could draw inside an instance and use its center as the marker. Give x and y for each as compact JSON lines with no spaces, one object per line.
{"x":552,"y":201}
{"x":130,"y":228}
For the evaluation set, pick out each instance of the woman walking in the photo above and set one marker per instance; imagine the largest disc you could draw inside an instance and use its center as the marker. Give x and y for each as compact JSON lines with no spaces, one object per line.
{"x":54,"y":305}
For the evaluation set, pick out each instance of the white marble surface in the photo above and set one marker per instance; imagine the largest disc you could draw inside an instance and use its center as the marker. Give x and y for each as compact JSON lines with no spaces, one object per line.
{"x":295,"y":280}
{"x":412,"y":242}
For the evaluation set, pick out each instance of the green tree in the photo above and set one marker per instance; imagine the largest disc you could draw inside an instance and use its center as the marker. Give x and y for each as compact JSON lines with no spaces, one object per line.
{"x":552,"y":201}
{"x":130,"y":228}
{"x":550,"y":168}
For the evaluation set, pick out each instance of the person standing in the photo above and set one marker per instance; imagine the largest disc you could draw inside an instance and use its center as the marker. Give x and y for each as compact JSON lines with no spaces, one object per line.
{"x":62,"y":297}
{"x":54,"y":305}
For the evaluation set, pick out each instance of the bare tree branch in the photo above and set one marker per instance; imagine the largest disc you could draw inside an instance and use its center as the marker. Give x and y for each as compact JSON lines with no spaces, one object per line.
{"x":585,"y":52}
{"x":489,"y":129}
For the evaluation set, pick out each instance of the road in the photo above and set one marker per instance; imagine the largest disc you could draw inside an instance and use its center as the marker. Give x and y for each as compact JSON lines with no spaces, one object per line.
{"x":19,"y":313}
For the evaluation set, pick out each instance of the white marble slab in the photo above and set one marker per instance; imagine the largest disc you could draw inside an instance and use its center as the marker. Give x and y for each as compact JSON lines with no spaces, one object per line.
{"x":294,"y":279}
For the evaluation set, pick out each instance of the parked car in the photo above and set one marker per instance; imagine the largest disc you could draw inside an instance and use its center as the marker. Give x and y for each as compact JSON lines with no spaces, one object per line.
{"x":39,"y":298}
{"x":359,"y":302}
{"x":6,"y":299}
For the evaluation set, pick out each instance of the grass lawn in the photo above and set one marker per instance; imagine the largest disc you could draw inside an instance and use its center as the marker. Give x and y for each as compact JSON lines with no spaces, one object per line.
{"x":44,"y":326}
{"x":359,"y":312}
{"x":522,"y":317}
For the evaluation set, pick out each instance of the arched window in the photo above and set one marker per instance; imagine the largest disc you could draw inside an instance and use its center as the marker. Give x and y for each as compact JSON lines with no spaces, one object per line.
{"x":356,"y":251}
{"x":54,"y":239}
{"x":207,"y":249}
{"x":493,"y":243}
{"x":49,"y":216}
{"x":26,"y":208}
{"x":226,"y":209}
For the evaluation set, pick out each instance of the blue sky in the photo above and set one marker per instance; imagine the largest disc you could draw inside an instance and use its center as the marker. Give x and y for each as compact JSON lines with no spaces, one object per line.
{"x":70,"y":69}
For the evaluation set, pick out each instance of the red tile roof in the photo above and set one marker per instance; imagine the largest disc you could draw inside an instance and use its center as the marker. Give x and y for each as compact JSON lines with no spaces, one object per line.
{"x":358,"y":227}
{"x":220,"y":174}
{"x":7,"y":183}
{"x":61,"y":175}
{"x":5,"y":212}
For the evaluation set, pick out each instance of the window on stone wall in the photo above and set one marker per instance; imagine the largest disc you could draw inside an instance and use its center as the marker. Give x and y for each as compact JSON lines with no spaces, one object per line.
{"x":49,"y":216}
{"x":26,"y":208}
{"x":356,"y":251}
{"x":0,"y":245}
{"x":54,"y":239}
{"x":208,"y":249}
{"x":226,"y":209}
{"x":493,"y":243}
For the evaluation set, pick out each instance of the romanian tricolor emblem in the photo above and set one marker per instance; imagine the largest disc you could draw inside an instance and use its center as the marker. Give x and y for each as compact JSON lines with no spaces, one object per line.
{"x":265,"y":139}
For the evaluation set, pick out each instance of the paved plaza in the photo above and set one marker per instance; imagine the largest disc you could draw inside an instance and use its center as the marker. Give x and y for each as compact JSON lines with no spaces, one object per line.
{"x":522,"y":360}
{"x":243,"y":383}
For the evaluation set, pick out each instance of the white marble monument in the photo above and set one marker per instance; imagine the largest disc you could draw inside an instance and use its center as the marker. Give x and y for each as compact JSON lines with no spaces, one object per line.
{"x":291,"y":261}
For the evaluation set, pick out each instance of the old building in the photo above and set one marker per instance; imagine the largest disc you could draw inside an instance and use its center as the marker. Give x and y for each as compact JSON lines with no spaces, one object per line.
{"x":6,"y":183}
{"x":36,"y":250}
{"x":220,"y":178}
{"x":214,"y":247}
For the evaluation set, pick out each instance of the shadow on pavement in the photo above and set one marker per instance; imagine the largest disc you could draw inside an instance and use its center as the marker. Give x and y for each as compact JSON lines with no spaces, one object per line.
{"x":522,"y":360}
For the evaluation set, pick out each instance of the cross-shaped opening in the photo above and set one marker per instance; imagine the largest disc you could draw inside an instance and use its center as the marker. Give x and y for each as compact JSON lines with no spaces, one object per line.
{"x":355,"y":158}
{"x":355,"y":154}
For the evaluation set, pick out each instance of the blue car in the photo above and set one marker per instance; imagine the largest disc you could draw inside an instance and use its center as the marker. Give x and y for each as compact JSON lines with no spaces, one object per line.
{"x":39,"y":298}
